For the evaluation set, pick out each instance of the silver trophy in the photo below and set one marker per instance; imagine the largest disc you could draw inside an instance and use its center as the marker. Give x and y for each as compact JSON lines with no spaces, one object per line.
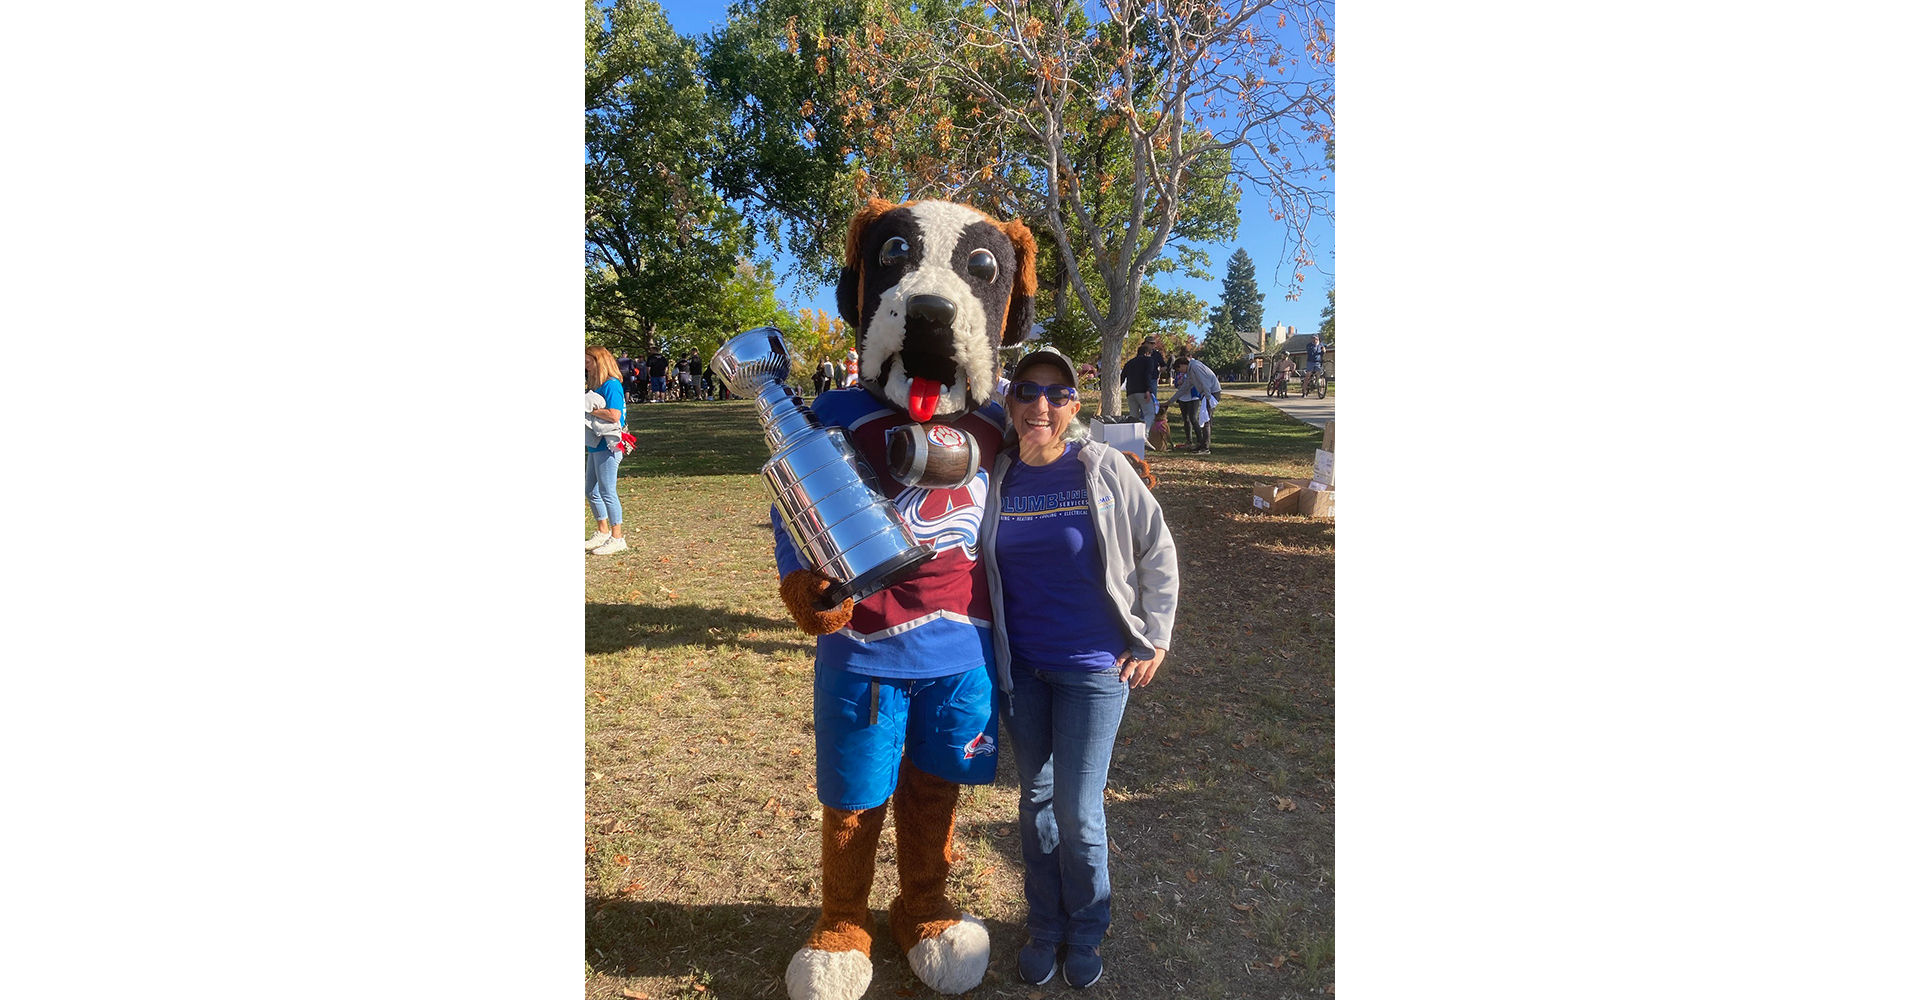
{"x":845,"y":529}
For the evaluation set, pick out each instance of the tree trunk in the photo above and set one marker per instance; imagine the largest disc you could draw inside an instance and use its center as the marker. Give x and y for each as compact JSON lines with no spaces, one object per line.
{"x":1112,"y":396}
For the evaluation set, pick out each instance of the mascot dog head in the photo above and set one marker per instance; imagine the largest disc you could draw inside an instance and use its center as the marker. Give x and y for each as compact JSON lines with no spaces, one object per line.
{"x":933,"y":289}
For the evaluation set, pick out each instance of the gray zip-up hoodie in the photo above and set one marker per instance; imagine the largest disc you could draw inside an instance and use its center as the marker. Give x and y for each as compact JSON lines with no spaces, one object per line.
{"x":1136,"y":551}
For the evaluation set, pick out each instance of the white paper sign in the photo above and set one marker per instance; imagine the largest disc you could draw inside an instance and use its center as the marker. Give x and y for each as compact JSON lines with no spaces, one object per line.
{"x":1323,"y":466}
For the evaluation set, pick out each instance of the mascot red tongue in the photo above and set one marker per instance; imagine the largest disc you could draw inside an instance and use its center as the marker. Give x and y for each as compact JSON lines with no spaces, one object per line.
{"x":923,"y":394}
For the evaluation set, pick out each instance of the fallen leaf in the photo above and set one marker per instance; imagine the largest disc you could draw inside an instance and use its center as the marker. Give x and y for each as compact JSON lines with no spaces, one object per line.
{"x":1243,"y":907}
{"x":602,"y":697}
{"x":1003,"y":831}
{"x":621,"y":860}
{"x":1285,"y":805}
{"x":723,"y":741}
{"x":1193,"y":876}
{"x":634,"y":995}
{"x":772,"y":804}
{"x":597,"y":776}
{"x":1139,"y":914}
{"x":793,"y":751}
{"x":1153,"y":947}
{"x":697,"y":988}
{"x":632,"y":887}
{"x":1176,"y":836}
{"x":614,"y":826}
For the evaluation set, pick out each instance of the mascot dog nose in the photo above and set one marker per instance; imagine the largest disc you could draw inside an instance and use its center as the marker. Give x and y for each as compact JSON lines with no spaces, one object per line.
{"x":934,"y":309}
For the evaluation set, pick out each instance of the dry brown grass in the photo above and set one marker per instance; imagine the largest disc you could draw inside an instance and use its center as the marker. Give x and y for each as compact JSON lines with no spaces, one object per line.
{"x":701,"y":822}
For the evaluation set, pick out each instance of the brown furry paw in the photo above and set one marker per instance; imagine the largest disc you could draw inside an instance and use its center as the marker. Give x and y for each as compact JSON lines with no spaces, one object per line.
{"x":800,"y":590}
{"x":1145,"y":471}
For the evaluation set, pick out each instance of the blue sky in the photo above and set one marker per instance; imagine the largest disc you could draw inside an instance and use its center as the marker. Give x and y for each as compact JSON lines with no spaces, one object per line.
{"x":1264,"y":239}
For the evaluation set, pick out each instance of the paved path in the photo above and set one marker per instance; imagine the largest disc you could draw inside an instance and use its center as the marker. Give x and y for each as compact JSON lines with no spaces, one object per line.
{"x":1312,"y":411}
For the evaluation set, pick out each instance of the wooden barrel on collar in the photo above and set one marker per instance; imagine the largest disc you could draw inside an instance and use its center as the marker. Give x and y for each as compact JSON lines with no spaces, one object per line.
{"x":934,"y":456}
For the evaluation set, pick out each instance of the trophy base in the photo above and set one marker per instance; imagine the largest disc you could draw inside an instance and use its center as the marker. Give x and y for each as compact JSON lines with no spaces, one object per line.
{"x":876,"y":579}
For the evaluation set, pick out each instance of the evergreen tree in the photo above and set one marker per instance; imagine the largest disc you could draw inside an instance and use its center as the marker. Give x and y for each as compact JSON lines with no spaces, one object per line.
{"x":1222,"y":350}
{"x":1240,"y":294}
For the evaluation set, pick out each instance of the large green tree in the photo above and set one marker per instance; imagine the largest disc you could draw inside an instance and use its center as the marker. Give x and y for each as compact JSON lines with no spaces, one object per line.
{"x":1326,"y":321}
{"x":779,"y":70}
{"x":660,"y":241}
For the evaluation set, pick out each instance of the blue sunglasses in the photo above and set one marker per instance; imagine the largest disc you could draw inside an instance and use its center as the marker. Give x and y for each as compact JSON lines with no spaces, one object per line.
{"x":1027,"y":392}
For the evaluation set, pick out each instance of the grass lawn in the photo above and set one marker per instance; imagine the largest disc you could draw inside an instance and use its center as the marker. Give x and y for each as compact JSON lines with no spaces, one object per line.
{"x":701,"y":824}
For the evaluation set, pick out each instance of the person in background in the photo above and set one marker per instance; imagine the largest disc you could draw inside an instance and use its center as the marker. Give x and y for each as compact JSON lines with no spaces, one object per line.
{"x":1203,"y":388}
{"x":1315,"y":353}
{"x":1187,"y":407}
{"x":685,"y":371}
{"x":1084,"y":579}
{"x":656,"y":375}
{"x":603,"y":462}
{"x":1140,"y":380}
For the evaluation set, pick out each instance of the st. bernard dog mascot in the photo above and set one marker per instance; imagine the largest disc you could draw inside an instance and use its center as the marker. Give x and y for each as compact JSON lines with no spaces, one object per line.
{"x":903,"y":691}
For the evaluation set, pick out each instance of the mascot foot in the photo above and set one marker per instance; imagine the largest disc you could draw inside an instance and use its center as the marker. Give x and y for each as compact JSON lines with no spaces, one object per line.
{"x":829,"y":975}
{"x":954,"y":960}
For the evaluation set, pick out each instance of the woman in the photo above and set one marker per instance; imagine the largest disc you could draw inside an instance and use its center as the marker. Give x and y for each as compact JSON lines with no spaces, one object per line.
{"x":1199,"y":386}
{"x":1083,"y":580}
{"x":603,"y":462}
{"x":1187,"y":407}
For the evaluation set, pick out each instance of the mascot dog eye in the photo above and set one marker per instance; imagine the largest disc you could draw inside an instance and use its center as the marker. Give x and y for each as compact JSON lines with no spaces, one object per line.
{"x":933,"y":290}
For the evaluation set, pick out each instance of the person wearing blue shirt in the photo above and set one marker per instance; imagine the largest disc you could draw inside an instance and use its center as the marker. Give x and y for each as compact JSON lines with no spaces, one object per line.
{"x":1083,"y":577}
{"x":1314,"y":353}
{"x":603,"y":462}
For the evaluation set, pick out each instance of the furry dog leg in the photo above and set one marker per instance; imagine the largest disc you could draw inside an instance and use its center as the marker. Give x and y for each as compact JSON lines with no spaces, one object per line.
{"x":837,"y":962}
{"x":947,"y":949}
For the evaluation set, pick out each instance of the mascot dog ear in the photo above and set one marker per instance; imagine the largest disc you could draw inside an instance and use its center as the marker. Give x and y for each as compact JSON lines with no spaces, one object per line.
{"x":1026,"y":282}
{"x":849,"y":293}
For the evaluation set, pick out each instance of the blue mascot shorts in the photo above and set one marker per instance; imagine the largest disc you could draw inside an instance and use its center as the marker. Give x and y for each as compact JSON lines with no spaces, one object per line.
{"x":862,"y":725}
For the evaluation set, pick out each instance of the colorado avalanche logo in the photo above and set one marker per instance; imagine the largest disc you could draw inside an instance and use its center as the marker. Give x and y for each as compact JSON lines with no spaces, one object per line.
{"x":946,"y":437}
{"x":982,"y":746}
{"x":946,"y":517}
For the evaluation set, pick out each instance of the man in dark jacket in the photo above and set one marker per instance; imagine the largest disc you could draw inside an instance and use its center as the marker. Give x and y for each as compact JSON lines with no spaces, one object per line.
{"x":1141,"y":379}
{"x":656,"y":373}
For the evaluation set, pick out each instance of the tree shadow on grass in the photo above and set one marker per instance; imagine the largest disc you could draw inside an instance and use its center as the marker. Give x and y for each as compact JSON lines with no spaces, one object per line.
{"x":615,"y":627}
{"x":744,"y":947}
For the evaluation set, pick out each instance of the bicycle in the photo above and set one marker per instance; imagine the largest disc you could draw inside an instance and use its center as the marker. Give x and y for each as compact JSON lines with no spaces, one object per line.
{"x":1314,"y":382}
{"x":1278,"y":387}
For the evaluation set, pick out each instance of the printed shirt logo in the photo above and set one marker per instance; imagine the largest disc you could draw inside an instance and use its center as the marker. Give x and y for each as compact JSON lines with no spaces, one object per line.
{"x":982,"y":746}
{"x":947,"y":517}
{"x":1044,"y":505}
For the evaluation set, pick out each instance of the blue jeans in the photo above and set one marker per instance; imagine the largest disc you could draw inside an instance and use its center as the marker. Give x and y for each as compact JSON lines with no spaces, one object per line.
{"x":1063,"y":723}
{"x":602,"y":468}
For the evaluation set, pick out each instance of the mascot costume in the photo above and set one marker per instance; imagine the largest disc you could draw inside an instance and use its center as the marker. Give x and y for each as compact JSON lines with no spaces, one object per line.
{"x":903,"y":690}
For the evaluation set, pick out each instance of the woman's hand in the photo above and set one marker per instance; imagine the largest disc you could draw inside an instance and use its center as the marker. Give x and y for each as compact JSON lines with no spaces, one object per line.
{"x":1136,"y":672}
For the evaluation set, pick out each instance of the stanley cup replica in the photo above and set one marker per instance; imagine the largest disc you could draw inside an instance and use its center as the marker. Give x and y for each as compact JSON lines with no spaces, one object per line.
{"x":844,"y":528}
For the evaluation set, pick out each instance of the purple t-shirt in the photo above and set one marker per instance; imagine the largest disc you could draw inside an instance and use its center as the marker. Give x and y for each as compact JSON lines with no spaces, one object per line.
{"x":1052,"y":585}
